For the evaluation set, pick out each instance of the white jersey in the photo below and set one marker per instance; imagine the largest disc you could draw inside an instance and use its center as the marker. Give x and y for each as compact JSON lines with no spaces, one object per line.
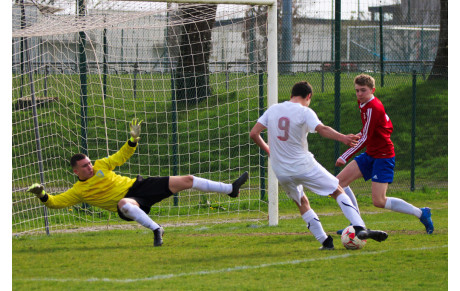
{"x":288,"y":125}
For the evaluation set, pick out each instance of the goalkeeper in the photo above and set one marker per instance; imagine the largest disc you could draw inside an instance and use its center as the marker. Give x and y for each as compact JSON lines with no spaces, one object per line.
{"x":132,"y":198}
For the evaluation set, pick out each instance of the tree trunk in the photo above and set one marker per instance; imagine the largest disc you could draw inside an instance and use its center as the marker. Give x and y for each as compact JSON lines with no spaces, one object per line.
{"x":191,"y":76}
{"x":439,"y":70}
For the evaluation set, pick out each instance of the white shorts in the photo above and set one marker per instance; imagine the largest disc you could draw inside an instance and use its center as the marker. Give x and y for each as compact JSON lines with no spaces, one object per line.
{"x":318,"y":180}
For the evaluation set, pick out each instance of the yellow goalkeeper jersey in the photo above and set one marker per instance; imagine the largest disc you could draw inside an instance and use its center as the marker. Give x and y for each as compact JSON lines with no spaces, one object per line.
{"x":104,"y":189}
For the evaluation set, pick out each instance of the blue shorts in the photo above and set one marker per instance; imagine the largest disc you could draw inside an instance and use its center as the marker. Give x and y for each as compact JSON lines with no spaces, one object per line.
{"x":379,"y":170}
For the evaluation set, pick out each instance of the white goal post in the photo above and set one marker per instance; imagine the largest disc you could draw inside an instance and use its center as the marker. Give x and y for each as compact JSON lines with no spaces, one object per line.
{"x":199,"y":73}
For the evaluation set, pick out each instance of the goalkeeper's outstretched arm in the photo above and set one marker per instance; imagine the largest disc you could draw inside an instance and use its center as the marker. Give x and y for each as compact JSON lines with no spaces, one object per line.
{"x":120,"y":157}
{"x":85,"y":171}
{"x":38,"y":190}
{"x":135,"y":130}
{"x":66,"y":199}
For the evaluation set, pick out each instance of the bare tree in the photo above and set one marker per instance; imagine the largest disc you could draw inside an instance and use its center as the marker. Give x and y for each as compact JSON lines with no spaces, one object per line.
{"x":191,"y":76}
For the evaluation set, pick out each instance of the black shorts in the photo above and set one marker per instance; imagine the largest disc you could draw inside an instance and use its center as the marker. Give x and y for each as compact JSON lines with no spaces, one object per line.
{"x":147,"y":192}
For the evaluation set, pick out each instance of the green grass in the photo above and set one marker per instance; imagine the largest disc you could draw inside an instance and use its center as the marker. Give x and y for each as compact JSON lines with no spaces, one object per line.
{"x":244,"y":256}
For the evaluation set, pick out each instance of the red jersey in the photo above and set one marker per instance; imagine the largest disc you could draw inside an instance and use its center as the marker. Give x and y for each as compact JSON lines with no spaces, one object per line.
{"x":376,"y":132}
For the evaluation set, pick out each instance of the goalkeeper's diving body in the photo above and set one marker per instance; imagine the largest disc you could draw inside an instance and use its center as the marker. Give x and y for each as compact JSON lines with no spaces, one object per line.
{"x":132,"y":198}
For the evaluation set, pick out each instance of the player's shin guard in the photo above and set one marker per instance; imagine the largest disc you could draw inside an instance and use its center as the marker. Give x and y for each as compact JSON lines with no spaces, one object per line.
{"x":352,"y":197}
{"x":135,"y":213}
{"x":349,"y":210}
{"x":206,"y":185}
{"x":314,"y":225}
{"x":402,"y":206}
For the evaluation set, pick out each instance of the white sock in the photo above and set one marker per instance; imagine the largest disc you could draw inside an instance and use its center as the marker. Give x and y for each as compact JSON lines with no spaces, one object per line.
{"x":135,"y":213}
{"x":352,"y":197}
{"x":314,"y":225}
{"x":350,"y":212}
{"x":206,"y":185}
{"x":402,"y":206}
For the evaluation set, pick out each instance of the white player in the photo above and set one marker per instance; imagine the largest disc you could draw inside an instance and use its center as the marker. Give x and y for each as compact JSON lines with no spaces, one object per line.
{"x":288,"y":125}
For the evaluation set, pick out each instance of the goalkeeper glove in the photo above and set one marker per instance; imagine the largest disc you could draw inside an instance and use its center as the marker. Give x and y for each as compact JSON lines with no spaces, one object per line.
{"x":135,"y":130}
{"x":37,"y":189}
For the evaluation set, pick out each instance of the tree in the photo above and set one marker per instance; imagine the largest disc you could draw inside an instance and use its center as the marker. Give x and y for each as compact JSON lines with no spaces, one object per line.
{"x":191,"y":75}
{"x":439,"y":70}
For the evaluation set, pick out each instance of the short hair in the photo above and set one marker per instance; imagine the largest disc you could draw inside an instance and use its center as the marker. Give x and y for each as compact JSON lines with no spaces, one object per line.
{"x":75,"y":158}
{"x":302,"y":89}
{"x":365,"y":80}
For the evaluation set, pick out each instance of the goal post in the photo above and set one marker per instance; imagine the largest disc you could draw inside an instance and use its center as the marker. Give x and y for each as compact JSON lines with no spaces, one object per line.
{"x":80,"y":76}
{"x":272,"y":68}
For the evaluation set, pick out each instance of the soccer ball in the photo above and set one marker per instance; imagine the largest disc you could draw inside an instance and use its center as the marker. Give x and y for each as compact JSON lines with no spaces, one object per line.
{"x":350,"y":240}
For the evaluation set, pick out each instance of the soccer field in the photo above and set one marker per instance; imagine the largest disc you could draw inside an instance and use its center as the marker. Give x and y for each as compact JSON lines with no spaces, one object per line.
{"x":200,"y":75}
{"x":243,"y":256}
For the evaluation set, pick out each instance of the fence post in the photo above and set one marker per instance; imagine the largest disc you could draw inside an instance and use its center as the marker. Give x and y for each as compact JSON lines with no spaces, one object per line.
{"x":262,"y":153}
{"x":121,"y":47}
{"x":322,"y":77}
{"x":22,"y":65}
{"x":251,"y":40}
{"x":45,"y":82}
{"x":226,"y":76}
{"x":135,"y":71}
{"x":338,"y":71}
{"x":104,"y":63}
{"x":382,"y":68}
{"x":286,"y":37}
{"x":83,"y":68}
{"x":414,"y":105}
{"x":174,"y":132}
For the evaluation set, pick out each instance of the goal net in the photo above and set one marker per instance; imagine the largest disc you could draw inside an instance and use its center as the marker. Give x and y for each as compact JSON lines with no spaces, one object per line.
{"x":196,"y":74}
